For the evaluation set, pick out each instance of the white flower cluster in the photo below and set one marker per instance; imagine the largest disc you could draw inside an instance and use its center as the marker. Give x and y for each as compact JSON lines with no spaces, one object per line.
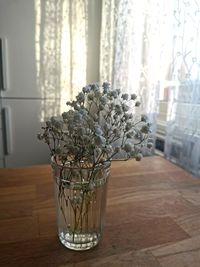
{"x":98,"y":126}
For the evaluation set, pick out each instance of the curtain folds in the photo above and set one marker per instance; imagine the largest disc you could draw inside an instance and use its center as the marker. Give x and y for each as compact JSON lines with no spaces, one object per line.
{"x":61,"y":51}
{"x":148,"y":44}
{"x":134,"y":47}
{"x":144,"y":45}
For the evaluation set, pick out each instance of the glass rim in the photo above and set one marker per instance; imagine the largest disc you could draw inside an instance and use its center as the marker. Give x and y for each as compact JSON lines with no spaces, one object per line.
{"x":105,"y":164}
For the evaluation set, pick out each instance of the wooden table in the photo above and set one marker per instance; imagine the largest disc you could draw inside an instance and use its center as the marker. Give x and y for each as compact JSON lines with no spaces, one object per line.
{"x":153,"y":218}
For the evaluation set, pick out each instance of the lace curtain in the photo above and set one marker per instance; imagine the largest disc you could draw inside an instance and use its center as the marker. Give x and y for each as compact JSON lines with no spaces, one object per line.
{"x":183,"y":126}
{"x":61,"y":51}
{"x":146,"y":44}
{"x":133,"y":41}
{"x":133,"y":47}
{"x":143,"y":44}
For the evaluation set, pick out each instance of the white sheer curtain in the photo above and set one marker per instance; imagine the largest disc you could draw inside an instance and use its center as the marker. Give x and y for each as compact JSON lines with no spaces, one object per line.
{"x":61,"y":51}
{"x":183,"y":126}
{"x":142,"y":44}
{"x":134,"y":47}
{"x":145,"y":44}
{"x":132,"y":57}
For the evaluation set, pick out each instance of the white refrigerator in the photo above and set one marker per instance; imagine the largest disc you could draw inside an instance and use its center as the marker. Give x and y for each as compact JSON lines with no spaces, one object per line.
{"x":20,"y":97}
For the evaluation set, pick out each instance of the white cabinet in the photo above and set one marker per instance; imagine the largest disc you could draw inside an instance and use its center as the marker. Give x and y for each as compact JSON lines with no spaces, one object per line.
{"x":17,"y":25}
{"x":23,"y":124}
{"x":1,"y":140}
{"x":1,"y":146}
{"x":21,"y":100}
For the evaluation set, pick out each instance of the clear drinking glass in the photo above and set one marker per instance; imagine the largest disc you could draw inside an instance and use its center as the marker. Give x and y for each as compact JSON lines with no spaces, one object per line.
{"x":81,"y":203}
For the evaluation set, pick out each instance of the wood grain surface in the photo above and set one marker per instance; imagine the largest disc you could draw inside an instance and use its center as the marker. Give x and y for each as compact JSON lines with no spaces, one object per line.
{"x":153,"y":218}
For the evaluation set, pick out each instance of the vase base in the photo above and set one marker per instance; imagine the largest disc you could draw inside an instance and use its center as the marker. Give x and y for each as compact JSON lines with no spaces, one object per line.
{"x":79,"y":242}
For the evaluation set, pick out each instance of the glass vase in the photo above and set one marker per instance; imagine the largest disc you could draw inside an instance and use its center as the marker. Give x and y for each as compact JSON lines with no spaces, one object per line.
{"x":80,"y":194}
